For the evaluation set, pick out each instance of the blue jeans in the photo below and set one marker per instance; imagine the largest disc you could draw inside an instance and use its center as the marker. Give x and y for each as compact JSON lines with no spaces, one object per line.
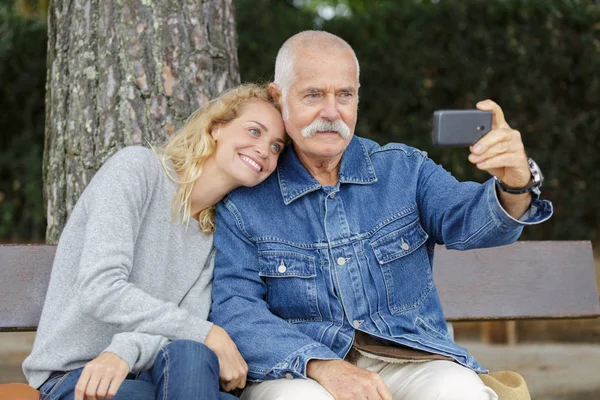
{"x":183,"y":369}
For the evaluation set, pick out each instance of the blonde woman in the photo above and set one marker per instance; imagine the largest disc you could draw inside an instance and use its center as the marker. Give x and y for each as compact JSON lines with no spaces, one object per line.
{"x":126,"y":312}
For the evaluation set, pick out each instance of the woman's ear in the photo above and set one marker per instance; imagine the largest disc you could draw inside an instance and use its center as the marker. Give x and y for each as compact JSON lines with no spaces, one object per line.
{"x":215,"y":132}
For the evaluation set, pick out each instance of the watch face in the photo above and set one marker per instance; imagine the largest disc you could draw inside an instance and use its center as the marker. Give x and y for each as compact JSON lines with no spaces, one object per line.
{"x":536,"y":172}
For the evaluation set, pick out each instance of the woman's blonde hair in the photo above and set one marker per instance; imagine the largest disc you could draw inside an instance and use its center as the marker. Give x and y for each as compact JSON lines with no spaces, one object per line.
{"x":193,"y":144}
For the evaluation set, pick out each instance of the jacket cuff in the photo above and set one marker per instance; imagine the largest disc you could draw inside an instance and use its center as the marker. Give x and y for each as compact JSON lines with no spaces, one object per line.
{"x":538,"y":211}
{"x":294,"y":366}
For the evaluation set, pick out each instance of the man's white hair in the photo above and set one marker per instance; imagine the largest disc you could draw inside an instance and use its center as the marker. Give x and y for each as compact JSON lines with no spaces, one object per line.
{"x":285,"y":75}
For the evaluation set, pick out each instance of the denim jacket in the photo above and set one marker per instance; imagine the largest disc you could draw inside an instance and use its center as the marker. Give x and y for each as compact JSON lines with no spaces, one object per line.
{"x":300,"y":266}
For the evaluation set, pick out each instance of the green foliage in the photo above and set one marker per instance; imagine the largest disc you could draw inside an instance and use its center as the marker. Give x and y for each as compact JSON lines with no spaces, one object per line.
{"x":263,"y":26}
{"x":538,"y":59}
{"x":22,"y":77}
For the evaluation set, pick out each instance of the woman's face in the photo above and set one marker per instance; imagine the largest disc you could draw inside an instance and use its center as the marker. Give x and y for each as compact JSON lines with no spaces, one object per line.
{"x":248,"y":147}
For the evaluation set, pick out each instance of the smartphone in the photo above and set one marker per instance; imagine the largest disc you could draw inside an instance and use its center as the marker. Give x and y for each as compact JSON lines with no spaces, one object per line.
{"x":460,"y":128}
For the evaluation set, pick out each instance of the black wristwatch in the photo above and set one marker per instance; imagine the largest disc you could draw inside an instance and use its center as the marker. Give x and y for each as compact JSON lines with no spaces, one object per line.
{"x":534,"y":186}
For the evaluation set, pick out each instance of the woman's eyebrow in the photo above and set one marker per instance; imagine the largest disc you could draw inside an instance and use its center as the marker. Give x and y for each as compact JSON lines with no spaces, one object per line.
{"x":264,"y":128}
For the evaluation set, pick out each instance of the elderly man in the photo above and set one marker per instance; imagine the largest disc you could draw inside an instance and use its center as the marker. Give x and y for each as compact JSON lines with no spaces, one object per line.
{"x":325,"y":270}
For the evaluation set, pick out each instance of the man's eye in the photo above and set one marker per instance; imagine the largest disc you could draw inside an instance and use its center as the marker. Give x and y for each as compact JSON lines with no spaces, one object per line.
{"x":254,"y":131}
{"x":276,"y":148}
{"x":313,"y":95}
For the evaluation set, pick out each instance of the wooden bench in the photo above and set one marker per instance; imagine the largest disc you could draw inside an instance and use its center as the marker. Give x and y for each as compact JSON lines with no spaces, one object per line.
{"x":526,"y":280}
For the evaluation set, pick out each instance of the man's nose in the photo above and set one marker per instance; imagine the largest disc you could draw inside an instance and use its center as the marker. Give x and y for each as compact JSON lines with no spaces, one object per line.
{"x":330,"y":109}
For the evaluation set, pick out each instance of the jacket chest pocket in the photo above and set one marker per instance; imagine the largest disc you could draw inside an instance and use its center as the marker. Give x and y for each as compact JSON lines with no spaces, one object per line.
{"x":402,"y":257}
{"x":291,"y":285}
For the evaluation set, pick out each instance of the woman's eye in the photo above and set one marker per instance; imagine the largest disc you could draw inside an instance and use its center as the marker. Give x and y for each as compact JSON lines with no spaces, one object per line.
{"x":276,"y":148}
{"x":254,"y":131}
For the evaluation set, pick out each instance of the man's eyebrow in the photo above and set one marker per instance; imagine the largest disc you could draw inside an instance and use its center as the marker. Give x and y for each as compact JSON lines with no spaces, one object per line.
{"x":261,"y":125}
{"x":311,"y":90}
{"x":348,"y":89}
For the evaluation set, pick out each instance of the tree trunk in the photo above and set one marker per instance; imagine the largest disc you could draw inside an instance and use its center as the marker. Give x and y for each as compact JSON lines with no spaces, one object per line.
{"x":125,"y":72}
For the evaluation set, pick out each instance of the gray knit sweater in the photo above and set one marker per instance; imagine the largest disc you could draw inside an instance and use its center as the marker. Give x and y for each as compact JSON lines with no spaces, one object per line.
{"x":126,"y":277}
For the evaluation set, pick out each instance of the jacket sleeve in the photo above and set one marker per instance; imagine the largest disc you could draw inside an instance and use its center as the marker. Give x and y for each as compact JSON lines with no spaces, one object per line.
{"x":271,"y":346}
{"x":467,"y":215}
{"x":114,"y":207}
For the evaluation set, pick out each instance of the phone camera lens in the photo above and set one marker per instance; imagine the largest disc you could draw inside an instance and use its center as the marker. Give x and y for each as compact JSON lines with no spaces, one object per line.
{"x":480,"y":128}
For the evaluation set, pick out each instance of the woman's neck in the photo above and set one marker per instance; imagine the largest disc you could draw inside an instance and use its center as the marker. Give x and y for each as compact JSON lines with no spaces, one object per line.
{"x":209,"y":188}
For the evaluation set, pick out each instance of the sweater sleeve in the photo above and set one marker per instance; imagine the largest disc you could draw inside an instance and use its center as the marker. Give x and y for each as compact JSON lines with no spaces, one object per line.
{"x":115,"y":207}
{"x":200,"y":293}
{"x":138,"y":350}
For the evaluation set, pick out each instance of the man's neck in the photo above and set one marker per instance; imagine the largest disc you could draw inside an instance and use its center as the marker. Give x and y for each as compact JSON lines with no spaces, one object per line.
{"x":324,"y":170}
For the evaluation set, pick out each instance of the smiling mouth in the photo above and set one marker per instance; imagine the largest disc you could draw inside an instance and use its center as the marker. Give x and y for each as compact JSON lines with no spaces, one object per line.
{"x":251,"y":163}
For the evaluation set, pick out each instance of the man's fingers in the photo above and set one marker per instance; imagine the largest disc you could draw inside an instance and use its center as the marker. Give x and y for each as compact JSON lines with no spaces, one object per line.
{"x":512,"y":145}
{"x":506,"y":160}
{"x":498,"y":121}
{"x":494,"y":137}
{"x":384,"y":392}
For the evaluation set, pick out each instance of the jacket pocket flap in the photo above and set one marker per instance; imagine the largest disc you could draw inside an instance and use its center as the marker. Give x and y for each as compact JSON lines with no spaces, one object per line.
{"x":399,"y":243}
{"x":285,"y":264}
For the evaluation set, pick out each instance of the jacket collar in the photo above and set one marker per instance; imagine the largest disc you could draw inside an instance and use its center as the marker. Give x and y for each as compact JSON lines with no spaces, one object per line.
{"x":295,"y":181}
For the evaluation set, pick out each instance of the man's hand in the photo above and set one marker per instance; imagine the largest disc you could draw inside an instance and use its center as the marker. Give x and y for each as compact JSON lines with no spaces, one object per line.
{"x":346,"y":381}
{"x":502,"y":154}
{"x":233,"y":368}
{"x":101,"y":377}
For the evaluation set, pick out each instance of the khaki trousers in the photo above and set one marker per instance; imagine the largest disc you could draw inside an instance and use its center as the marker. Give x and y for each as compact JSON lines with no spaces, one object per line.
{"x":430,"y":380}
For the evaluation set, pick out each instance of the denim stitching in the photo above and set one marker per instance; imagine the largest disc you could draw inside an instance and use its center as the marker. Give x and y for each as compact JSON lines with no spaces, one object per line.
{"x":56,"y":385}
{"x":341,"y":242}
{"x":166,"y":373}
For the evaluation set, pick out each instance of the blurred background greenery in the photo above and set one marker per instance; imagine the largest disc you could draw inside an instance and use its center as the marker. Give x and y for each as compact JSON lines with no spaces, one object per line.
{"x":539,"y":59}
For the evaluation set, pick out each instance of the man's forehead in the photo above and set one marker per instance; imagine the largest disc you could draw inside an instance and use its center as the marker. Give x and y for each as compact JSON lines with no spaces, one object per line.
{"x":325,"y":72}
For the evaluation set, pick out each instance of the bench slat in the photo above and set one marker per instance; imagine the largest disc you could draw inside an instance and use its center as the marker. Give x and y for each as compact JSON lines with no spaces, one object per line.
{"x":553,"y":279}
{"x":541,"y":279}
{"x":24,"y":276}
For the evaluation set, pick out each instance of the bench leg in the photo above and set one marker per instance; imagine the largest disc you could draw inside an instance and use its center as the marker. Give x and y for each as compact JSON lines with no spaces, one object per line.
{"x":499,"y":332}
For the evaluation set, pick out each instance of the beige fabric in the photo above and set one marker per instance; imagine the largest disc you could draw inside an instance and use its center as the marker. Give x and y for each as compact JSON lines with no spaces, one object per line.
{"x":429,"y":380}
{"x":508,"y":385}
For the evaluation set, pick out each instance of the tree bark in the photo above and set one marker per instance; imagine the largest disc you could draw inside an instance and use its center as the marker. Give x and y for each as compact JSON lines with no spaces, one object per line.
{"x":125,"y":72}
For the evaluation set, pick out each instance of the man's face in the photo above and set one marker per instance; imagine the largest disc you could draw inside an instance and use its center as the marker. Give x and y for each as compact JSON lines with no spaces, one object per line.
{"x":325,"y":92}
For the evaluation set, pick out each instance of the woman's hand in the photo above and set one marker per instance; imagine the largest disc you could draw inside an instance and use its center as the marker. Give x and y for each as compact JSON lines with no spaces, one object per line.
{"x":233,"y":368}
{"x":101,"y":377}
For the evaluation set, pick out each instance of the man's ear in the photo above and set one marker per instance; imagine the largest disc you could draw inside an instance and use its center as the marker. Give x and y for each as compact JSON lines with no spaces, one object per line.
{"x":275,"y":92}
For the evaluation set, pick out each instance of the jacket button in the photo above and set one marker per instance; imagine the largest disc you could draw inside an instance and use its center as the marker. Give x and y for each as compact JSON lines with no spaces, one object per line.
{"x":341,"y":261}
{"x":282,"y":268}
{"x":289,"y":376}
{"x":405,"y":246}
{"x":356,"y":323}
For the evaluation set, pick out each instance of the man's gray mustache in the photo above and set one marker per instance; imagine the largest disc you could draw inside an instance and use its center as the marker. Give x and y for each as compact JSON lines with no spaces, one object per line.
{"x":326,"y":126}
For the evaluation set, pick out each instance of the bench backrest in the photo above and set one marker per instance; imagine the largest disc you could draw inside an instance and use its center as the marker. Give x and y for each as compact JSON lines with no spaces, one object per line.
{"x":553,"y":279}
